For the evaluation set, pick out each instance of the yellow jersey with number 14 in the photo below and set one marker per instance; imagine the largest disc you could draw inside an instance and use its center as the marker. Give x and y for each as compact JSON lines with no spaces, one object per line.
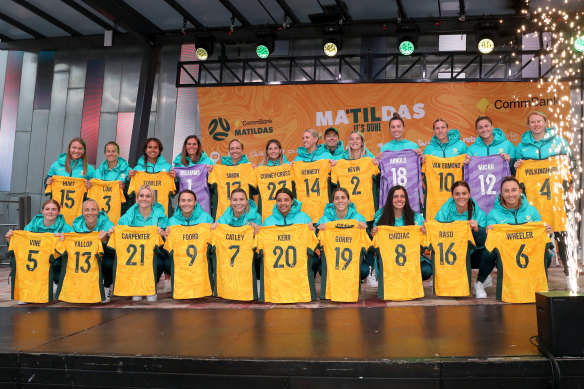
{"x":69,"y":192}
{"x":357,"y":176}
{"x":449,"y":243}
{"x":439,"y":176}
{"x":398,"y":257}
{"x":31,"y":273}
{"x":109,"y":197}
{"x":520,"y":262}
{"x":312,"y":186}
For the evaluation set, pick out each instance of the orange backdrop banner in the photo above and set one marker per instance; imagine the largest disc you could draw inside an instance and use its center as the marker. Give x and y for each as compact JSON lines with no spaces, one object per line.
{"x":256,"y":114}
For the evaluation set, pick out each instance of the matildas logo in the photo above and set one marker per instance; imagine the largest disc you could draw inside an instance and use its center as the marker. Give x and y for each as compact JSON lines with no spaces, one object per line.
{"x":219,"y":129}
{"x":455,"y":150}
{"x":528,"y":218}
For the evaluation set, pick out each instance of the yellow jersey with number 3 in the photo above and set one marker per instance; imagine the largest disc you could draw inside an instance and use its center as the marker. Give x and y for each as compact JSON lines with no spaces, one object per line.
{"x":109,"y":197}
{"x":312,"y":186}
{"x":520,"y":263}
{"x":227,"y":178}
{"x":135,"y":264}
{"x":268,"y":180}
{"x":440,"y":174}
{"x":69,"y":192}
{"x":233,"y":255}
{"x":398,"y":258}
{"x":81,"y":280}
{"x":544,"y":182}
{"x":286,"y":267}
{"x":449,"y":243}
{"x":31,"y":272}
{"x":162,"y":183}
{"x":357,"y":176}
{"x":191,"y":270}
{"x":345,"y":247}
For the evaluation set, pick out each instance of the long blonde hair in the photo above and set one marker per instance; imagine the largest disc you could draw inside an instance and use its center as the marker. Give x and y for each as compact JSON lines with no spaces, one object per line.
{"x":360,"y":153}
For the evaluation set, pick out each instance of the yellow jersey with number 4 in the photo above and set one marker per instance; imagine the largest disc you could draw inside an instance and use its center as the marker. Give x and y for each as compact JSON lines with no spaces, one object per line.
{"x":358,"y":177}
{"x":439,"y":176}
{"x":69,"y":192}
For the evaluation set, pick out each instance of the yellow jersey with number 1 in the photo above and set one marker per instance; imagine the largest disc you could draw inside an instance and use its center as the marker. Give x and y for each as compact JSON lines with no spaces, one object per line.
{"x":109,"y":197}
{"x":520,"y":263}
{"x":398,"y":258}
{"x":69,"y":192}
{"x":357,"y":176}
{"x":81,"y":280}
{"x":312,"y":186}
{"x":31,"y":273}
{"x":449,"y":243}
{"x":439,"y":176}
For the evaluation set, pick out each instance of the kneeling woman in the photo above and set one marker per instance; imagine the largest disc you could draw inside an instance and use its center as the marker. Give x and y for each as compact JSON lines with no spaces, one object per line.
{"x":146,"y":212}
{"x":462,"y":207}
{"x":399,"y":214}
{"x":287,"y":211}
{"x":188,"y":212}
{"x":241,"y":211}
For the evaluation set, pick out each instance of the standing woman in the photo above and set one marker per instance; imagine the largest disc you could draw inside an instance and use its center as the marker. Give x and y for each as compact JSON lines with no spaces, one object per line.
{"x":541,"y":142}
{"x":152,"y":160}
{"x":491,"y":141}
{"x":274,"y":155}
{"x":192,"y":153}
{"x":398,"y":212}
{"x":310,"y":151}
{"x":114,"y":167}
{"x":397,"y":129}
{"x":445,"y":143}
{"x":236,"y":156}
{"x":356,"y":147}
{"x":73,"y":163}
{"x":463,"y":207}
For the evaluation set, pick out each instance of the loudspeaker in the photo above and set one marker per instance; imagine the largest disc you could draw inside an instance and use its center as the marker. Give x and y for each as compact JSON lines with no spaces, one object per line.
{"x":560,"y":322}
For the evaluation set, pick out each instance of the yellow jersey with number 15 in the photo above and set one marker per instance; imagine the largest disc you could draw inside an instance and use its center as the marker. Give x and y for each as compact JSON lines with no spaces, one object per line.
{"x":69,"y":192}
{"x":398,"y":258}
{"x":312,"y":186}
{"x":439,"y":176}
{"x":109,"y":197}
{"x":357,"y":176}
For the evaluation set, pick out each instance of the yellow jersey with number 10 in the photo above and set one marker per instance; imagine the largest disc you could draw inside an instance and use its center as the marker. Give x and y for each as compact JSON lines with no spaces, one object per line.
{"x":440,"y":174}
{"x":69,"y":192}
{"x":312,"y":186}
{"x":357,"y":176}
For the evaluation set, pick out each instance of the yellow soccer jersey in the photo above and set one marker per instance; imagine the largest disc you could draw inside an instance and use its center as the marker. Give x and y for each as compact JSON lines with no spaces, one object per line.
{"x":69,"y":192}
{"x":191,"y":269}
{"x":345,"y":247}
{"x":357,"y":176}
{"x":109,"y":197}
{"x":450,"y":256}
{"x":31,"y":257}
{"x":286,"y":268}
{"x":135,"y":265}
{"x":520,"y":263}
{"x":312,"y":186}
{"x":162,"y":183}
{"x":544,"y":188}
{"x":398,"y":258}
{"x":439,"y":176}
{"x":81,"y":280}
{"x":268,"y":180}
{"x":227,"y":178}
{"x":233,"y":263}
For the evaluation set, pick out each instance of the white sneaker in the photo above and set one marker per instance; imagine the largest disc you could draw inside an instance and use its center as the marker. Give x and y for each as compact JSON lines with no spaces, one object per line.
{"x":22,"y":302}
{"x":108,"y":295}
{"x":479,"y":289}
{"x":152,"y":298}
{"x":55,"y":287}
{"x":571,"y":284}
{"x":167,"y":285}
{"x":488,"y":282}
{"x":372,"y":279}
{"x":136,"y":298}
{"x":259,"y":287}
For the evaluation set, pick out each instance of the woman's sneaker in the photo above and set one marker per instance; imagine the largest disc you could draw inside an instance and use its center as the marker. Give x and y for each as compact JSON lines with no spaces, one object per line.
{"x":152,"y":298}
{"x":136,"y":298}
{"x":372,"y":279}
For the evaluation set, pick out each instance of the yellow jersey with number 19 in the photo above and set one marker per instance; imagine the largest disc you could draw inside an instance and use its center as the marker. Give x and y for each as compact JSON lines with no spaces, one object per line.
{"x":69,"y":192}
{"x":31,"y":273}
{"x":81,"y":280}
{"x":449,"y":243}
{"x":232,"y":256}
{"x":268,"y":180}
{"x":357,"y":176}
{"x":226,"y":179}
{"x":191,"y":270}
{"x":398,"y":258}
{"x":135,"y":263}
{"x":109,"y":197}
{"x":520,"y":262}
{"x":312,"y":186}
{"x":439,"y":176}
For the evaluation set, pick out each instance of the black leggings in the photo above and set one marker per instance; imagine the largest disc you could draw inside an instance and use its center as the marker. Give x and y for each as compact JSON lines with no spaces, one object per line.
{"x":561,"y":237}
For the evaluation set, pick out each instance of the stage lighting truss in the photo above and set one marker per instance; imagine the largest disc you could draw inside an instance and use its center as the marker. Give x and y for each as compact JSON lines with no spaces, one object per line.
{"x":331,"y":47}
{"x":407,"y":39}
{"x":204,"y":47}
{"x":579,"y":43}
{"x":486,"y":37}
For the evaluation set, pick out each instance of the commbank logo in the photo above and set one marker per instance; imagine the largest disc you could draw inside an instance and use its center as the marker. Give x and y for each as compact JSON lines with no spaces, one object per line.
{"x":219,"y":129}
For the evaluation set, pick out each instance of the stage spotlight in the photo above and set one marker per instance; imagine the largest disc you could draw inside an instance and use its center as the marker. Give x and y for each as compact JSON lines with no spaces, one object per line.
{"x":407,"y":39}
{"x":407,"y":46}
{"x":205,"y":47}
{"x":579,"y":44}
{"x":331,"y":46}
{"x":486,"y":44}
{"x":486,"y":37}
{"x":265,"y":48}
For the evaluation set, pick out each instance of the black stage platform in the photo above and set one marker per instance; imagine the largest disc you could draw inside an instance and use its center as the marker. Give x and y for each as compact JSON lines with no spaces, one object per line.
{"x":474,"y":346}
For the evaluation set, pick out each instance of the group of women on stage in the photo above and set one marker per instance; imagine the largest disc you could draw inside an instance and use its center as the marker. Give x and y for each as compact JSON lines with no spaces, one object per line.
{"x":511,"y":206}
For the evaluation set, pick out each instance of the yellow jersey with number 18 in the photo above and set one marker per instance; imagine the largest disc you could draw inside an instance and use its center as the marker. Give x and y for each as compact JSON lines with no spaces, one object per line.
{"x":545,"y":182}
{"x":232,"y":256}
{"x":109,"y":197}
{"x":81,"y":280}
{"x":345,"y":247}
{"x":268,"y":180}
{"x":135,"y":264}
{"x":520,"y":263}
{"x":191,"y":270}
{"x":69,"y":192}
{"x":439,"y":176}
{"x":312,"y":186}
{"x":31,"y":273}
{"x":449,"y":243}
{"x":357,"y":176}
{"x":227,"y":178}
{"x":398,"y":258}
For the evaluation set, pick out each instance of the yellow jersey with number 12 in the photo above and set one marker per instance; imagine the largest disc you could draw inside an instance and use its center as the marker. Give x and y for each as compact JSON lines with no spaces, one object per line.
{"x":398,"y":258}
{"x":357,"y":176}
{"x":69,"y":192}
{"x":312,"y":186}
{"x":109,"y":197}
{"x":439,"y":176}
